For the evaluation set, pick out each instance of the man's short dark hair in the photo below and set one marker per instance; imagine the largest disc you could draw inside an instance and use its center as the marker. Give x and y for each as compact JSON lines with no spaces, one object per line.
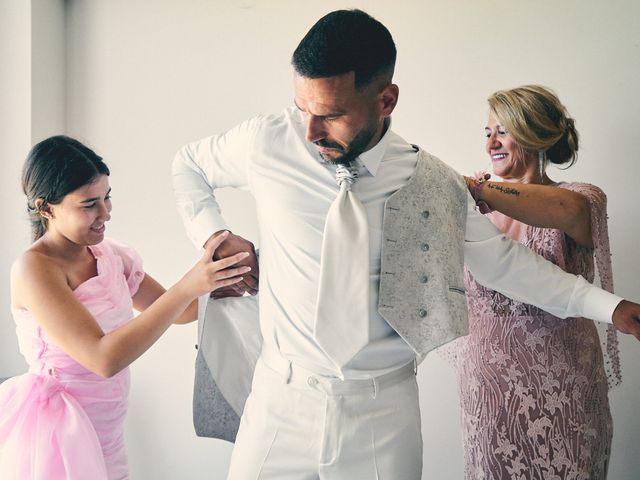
{"x":346,"y":41}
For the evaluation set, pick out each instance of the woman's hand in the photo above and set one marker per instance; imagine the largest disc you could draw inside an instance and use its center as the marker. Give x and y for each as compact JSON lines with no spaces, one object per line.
{"x":470,"y":181}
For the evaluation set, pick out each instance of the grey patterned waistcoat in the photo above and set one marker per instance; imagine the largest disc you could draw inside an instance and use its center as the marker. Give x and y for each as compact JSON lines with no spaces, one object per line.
{"x":421,"y":295}
{"x":421,"y":275}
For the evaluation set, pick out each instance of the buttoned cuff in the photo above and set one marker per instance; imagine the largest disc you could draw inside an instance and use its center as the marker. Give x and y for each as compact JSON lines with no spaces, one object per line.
{"x":597,"y":304}
{"x":205,"y":224}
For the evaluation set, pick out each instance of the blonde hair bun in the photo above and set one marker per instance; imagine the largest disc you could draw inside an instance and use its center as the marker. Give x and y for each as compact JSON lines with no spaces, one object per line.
{"x":537,"y":120}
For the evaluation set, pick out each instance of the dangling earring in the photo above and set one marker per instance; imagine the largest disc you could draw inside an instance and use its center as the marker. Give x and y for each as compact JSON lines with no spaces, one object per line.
{"x":542,"y":161}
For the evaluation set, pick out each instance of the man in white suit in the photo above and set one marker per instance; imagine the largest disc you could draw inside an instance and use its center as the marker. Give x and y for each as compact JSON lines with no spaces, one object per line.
{"x":309,"y":415}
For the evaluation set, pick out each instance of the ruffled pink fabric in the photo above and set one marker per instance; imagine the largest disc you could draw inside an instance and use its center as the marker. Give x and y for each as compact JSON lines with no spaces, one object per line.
{"x":46,"y":433}
{"x":61,"y":421}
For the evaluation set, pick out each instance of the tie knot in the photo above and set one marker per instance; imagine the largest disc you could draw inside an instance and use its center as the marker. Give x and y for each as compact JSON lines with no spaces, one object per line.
{"x":346,"y":174}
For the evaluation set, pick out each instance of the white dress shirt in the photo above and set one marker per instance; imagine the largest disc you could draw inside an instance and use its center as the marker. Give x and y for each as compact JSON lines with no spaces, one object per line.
{"x":293,"y":188}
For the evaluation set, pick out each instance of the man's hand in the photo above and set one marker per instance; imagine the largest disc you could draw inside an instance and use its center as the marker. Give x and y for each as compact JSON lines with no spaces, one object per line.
{"x":232,"y":245}
{"x":626,"y":318}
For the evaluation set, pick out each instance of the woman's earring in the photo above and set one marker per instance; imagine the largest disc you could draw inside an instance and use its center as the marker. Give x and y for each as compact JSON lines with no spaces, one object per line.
{"x":542,"y":160}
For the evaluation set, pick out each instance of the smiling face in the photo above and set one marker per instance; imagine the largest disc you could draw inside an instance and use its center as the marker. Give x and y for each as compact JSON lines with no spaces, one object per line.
{"x":81,"y":216}
{"x":341,"y":121}
{"x":507,"y":158}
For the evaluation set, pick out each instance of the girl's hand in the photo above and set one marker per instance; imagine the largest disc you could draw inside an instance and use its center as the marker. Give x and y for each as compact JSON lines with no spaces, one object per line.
{"x":208,"y":275}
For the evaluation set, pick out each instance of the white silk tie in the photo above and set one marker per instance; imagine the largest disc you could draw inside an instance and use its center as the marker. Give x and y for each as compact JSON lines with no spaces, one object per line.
{"x":342,"y":310}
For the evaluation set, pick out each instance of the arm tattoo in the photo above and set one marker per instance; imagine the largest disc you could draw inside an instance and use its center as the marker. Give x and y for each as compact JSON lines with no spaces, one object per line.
{"x":505,"y":190}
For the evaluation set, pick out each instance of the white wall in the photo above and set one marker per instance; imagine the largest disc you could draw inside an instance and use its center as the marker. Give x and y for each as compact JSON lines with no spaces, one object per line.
{"x":48,"y":68}
{"x":142,"y":78}
{"x":32,"y":106}
{"x":15,"y":140}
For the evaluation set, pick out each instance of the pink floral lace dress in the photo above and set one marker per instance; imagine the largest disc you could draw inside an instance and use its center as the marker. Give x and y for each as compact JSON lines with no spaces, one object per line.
{"x":60,"y":421}
{"x":533,"y":387}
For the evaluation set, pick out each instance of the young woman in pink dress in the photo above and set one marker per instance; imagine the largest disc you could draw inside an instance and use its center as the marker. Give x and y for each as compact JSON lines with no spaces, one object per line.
{"x":73,"y":293}
{"x":533,"y":387}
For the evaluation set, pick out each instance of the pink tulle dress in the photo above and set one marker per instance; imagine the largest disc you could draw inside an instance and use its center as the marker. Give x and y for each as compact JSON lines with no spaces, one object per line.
{"x":60,"y":421}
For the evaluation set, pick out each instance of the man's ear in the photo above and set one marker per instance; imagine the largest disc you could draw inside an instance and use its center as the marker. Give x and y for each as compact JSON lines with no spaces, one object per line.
{"x":389,"y":98}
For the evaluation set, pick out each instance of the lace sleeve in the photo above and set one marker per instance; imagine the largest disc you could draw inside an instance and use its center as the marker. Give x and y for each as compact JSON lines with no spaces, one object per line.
{"x":602,"y":254}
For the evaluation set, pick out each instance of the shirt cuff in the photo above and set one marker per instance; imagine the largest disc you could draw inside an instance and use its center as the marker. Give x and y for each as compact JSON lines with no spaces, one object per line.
{"x":597,"y":304}
{"x":205,"y":224}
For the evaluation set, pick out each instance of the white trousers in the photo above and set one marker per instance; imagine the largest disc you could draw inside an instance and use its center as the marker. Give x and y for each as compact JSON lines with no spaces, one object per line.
{"x":299,"y":426}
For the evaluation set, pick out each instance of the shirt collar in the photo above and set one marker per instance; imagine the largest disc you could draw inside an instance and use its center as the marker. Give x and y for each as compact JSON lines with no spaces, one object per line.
{"x":371,"y":158}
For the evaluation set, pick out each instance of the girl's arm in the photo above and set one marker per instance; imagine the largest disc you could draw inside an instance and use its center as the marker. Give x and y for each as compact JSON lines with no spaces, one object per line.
{"x":40,"y":286}
{"x":150,"y":290}
{"x":539,"y":205}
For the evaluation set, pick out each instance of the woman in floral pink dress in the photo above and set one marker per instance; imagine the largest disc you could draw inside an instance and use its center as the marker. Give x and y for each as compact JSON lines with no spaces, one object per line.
{"x":73,"y":294}
{"x":533,"y":388}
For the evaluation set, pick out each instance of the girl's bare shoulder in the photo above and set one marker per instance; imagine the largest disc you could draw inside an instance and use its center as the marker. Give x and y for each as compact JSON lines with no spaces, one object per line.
{"x":34,"y":269}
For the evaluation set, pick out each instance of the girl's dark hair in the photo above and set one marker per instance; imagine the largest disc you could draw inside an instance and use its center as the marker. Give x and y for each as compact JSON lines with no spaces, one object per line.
{"x":54,"y":168}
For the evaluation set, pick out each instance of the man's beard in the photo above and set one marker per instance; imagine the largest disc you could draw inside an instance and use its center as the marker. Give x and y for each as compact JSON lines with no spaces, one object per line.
{"x":355,"y":147}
